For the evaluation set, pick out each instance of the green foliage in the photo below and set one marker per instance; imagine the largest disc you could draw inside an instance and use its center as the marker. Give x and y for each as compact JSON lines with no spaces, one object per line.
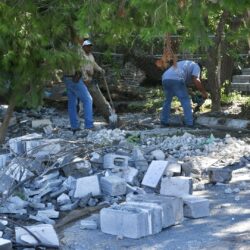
{"x":33,"y":43}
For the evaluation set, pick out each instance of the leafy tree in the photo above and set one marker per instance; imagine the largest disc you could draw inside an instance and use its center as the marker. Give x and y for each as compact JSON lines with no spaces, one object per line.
{"x":34,"y":40}
{"x":208,"y":25}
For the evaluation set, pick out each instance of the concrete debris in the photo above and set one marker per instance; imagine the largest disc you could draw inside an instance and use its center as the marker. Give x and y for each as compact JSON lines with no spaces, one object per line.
{"x":157,"y":172}
{"x":44,"y":232}
{"x":5,"y":244}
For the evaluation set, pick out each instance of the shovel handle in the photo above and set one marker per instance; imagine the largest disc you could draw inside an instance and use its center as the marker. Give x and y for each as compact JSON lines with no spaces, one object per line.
{"x":110,"y":99}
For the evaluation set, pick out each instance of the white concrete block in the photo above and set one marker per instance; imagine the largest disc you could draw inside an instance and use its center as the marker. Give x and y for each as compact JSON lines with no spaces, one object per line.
{"x":5,"y":244}
{"x":115,"y":161}
{"x":154,"y":173}
{"x":41,"y":123}
{"x":125,"y":221}
{"x":155,"y":214}
{"x":172,"y":207}
{"x":113,"y":185}
{"x":195,"y":207}
{"x":176,"y":186}
{"x":50,"y":213}
{"x":86,"y":185}
{"x":44,"y":232}
{"x":17,"y":145}
{"x":41,"y":148}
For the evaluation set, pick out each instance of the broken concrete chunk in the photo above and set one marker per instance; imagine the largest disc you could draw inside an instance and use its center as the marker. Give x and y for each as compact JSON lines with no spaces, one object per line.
{"x":40,"y":123}
{"x":139,"y":160}
{"x":154,"y":173}
{"x":115,"y":161}
{"x":89,"y":224}
{"x":158,"y":155}
{"x":70,"y":183}
{"x":78,"y":167}
{"x":176,"y":186}
{"x":43,"y":219}
{"x":69,"y":207}
{"x":63,"y":199}
{"x":113,"y":185}
{"x":221,"y":175}
{"x":173,"y":167}
{"x":87,"y":185}
{"x":17,"y":170}
{"x":5,"y":244}
{"x":44,"y":232}
{"x":130,"y":175}
{"x":50,"y":213}
{"x":195,"y":207}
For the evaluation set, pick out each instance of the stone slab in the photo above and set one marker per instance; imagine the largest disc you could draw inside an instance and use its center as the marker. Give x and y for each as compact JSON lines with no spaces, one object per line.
{"x":154,"y":173}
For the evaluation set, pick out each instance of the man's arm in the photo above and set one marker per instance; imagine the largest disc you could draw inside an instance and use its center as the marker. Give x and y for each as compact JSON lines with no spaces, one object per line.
{"x":199,"y":86}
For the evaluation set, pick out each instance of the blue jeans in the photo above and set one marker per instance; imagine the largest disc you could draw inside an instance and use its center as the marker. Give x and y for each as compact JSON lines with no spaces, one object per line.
{"x":176,"y":88}
{"x":74,"y":91}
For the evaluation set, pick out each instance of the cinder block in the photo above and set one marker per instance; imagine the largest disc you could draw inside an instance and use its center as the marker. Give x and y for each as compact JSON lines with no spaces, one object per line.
{"x":155,"y":218}
{"x":115,"y":161}
{"x":17,"y":145}
{"x":113,"y":185}
{"x":172,"y":207}
{"x":176,"y":186}
{"x":86,"y":185}
{"x":5,"y":244}
{"x":195,"y":207}
{"x":154,"y":173}
{"x":125,"y":221}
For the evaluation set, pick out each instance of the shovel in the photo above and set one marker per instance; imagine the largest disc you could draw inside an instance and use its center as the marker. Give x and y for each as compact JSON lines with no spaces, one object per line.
{"x":113,"y":115}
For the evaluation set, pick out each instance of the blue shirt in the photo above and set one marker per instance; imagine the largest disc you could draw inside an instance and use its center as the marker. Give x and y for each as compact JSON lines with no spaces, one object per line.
{"x":184,"y":71}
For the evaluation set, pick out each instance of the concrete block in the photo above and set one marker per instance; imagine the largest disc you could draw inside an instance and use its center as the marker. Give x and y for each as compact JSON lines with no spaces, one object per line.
{"x":5,"y":244}
{"x":155,"y":214}
{"x":17,"y":145}
{"x":113,"y":185}
{"x":4,"y":159}
{"x":172,"y":207}
{"x":195,"y":207}
{"x":43,"y":219}
{"x":44,"y":232}
{"x":88,"y":224}
{"x":63,"y":199}
{"x":40,"y":123}
{"x":154,"y":173}
{"x":221,"y":175}
{"x":115,"y":161}
{"x":87,"y":185}
{"x":176,"y":186}
{"x":43,"y":148}
{"x":124,"y":221}
{"x":139,"y":160}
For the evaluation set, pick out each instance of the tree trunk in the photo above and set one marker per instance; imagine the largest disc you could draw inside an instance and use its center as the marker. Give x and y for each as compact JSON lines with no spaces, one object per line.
{"x":7,"y":117}
{"x":100,"y":102}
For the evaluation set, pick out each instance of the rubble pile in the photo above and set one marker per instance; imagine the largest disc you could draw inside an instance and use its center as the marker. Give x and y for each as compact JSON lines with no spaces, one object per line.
{"x":145,"y":178}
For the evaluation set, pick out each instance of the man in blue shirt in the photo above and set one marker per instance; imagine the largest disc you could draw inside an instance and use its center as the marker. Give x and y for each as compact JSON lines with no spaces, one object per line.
{"x":175,"y":81}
